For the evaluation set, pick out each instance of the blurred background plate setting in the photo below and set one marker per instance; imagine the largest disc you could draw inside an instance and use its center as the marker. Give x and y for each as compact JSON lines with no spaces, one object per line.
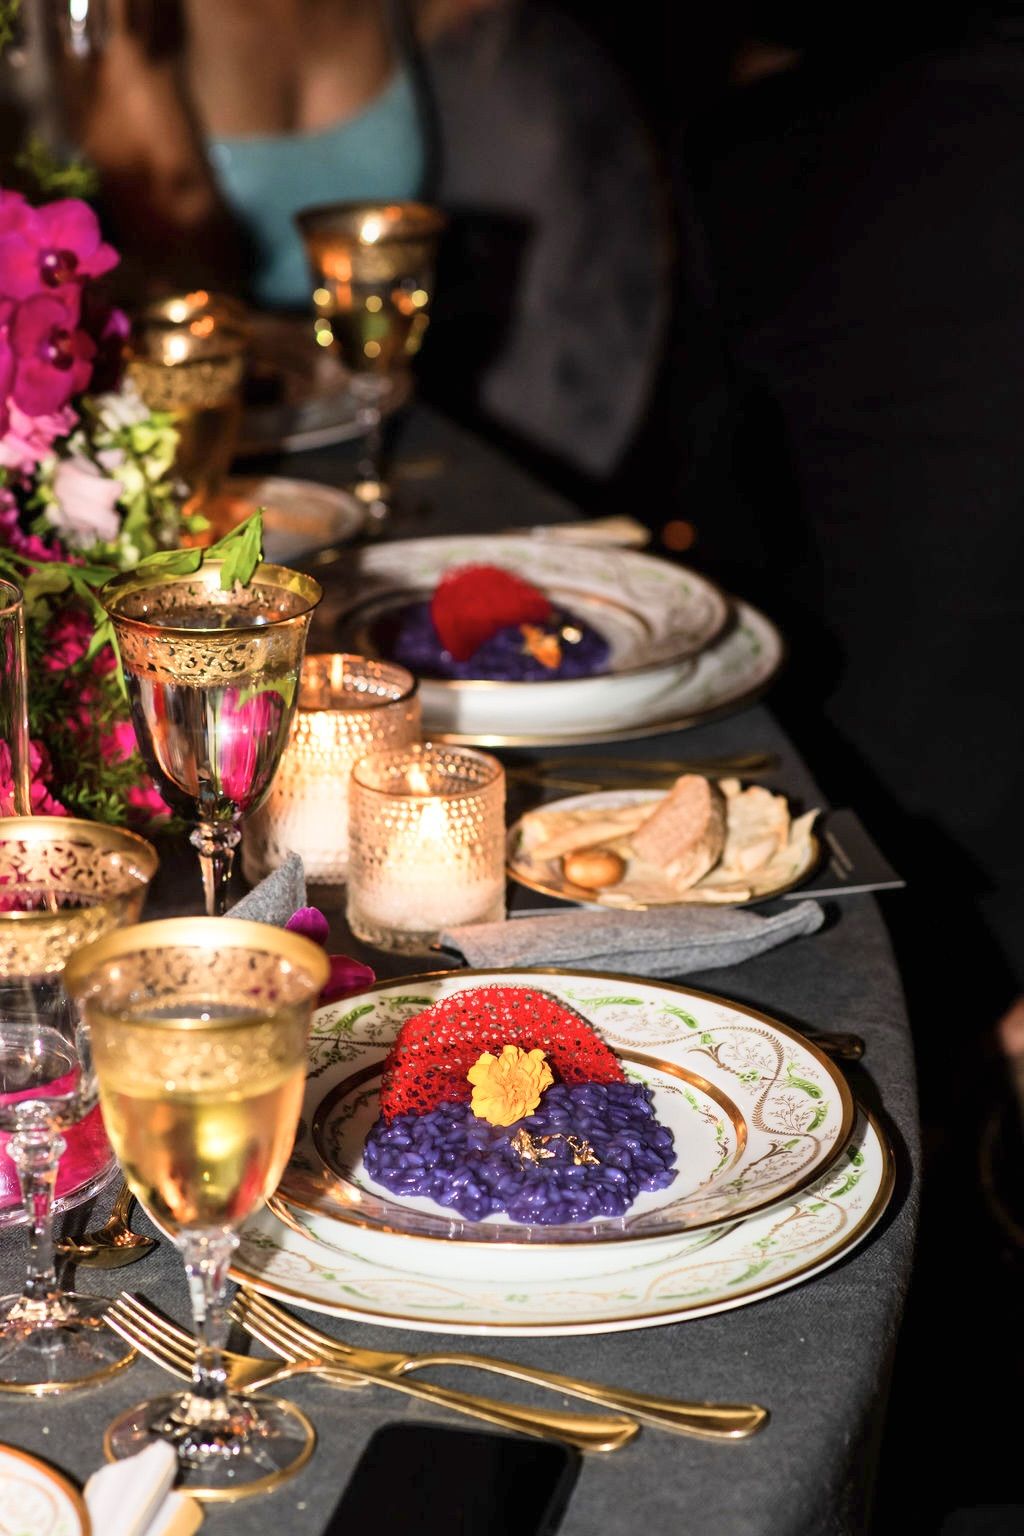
{"x":656,"y":616}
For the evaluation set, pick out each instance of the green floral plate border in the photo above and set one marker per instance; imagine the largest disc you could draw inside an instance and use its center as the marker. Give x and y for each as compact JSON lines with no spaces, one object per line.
{"x":751,"y":1260}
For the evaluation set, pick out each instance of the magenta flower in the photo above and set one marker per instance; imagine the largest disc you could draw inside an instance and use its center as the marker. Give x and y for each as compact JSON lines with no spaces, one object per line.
{"x":347,"y":975}
{"x":51,"y":247}
{"x":52,"y":357}
{"x":67,"y":640}
{"x":15,"y":212}
{"x":39,"y":769}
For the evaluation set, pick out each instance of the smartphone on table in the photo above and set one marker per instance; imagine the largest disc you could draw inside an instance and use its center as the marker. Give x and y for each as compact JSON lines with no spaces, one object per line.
{"x":424,"y":1480}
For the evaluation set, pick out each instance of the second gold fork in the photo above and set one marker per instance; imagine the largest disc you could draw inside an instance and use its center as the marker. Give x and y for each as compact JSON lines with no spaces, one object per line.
{"x":291,"y":1338}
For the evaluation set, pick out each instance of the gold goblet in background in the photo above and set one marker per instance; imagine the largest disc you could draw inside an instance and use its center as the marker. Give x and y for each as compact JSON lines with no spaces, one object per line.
{"x":212,"y":678}
{"x":63,"y":883}
{"x":373,"y":271}
{"x":198,"y":1030}
{"x":188,"y":357}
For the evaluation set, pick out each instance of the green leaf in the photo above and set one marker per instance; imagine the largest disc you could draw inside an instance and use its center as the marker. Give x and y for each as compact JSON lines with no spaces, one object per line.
{"x":44,"y":581}
{"x":241,"y":551}
{"x":173,"y":562}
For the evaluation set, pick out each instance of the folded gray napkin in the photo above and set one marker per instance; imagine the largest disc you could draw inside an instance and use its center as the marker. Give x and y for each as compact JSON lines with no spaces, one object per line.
{"x":277,"y":896}
{"x":663,"y":941}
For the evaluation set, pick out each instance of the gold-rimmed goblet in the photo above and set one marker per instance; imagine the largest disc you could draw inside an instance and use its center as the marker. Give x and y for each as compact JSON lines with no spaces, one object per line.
{"x":212,"y":676}
{"x":373,"y":272}
{"x":63,"y":883}
{"x":187,"y":356}
{"x":198,"y":1028}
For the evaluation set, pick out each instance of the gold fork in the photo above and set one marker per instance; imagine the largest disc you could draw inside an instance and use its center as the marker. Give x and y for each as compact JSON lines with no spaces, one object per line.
{"x":293,"y":1339}
{"x":169,"y":1345}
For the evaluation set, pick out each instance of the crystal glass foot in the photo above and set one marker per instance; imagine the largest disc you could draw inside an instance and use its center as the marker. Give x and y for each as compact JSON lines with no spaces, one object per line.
{"x":212,"y":676}
{"x":372,"y":266}
{"x":199,"y":1031}
{"x":63,"y":883}
{"x":250,"y":1447}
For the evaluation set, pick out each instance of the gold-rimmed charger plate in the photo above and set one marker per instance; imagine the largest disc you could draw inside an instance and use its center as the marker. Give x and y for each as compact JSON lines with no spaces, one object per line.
{"x":546,"y":876}
{"x":36,"y":1500}
{"x":757,"y":1111}
{"x":792,"y":1242}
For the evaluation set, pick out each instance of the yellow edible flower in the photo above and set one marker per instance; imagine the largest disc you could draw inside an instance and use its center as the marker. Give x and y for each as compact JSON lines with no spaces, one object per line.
{"x":509,"y":1086}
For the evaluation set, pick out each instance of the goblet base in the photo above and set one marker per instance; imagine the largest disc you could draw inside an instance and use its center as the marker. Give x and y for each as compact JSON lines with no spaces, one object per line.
{"x":226,"y":1450}
{"x":58,"y":1345}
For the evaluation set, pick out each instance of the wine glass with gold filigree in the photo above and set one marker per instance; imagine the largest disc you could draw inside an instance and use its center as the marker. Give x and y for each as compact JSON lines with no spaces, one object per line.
{"x":373,"y":273}
{"x":212,"y":677}
{"x":198,"y":1030}
{"x":63,"y":883}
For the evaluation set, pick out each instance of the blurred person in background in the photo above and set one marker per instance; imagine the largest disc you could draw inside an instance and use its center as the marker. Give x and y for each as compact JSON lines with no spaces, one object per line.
{"x":211,"y":125}
{"x":866,"y":233}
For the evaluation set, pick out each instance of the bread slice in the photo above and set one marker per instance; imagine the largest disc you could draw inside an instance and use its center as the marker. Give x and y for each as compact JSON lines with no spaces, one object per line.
{"x":685,"y":835}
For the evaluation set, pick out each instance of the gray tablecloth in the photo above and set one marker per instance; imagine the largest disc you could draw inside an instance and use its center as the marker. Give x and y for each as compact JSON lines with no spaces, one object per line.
{"x":817,"y":1355}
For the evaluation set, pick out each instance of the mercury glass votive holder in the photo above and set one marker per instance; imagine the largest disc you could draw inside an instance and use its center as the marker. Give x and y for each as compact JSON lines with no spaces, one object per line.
{"x":349,"y":707}
{"x":426,"y":844}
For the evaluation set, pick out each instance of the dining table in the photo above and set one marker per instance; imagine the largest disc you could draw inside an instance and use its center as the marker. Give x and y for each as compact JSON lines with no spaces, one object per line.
{"x":817,"y":1354}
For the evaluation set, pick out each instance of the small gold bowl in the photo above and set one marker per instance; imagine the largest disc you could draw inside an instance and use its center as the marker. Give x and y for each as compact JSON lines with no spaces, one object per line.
{"x":65,"y":882}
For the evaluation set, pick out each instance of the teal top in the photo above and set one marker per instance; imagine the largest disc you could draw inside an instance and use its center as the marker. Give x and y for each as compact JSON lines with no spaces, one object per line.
{"x":267,"y":178}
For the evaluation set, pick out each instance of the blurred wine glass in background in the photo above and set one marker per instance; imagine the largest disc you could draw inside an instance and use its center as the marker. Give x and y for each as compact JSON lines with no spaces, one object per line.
{"x":372,"y":266}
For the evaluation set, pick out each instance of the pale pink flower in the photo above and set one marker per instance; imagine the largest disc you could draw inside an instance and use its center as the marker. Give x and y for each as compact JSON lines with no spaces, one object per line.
{"x":85,"y":511}
{"x":29,"y":439}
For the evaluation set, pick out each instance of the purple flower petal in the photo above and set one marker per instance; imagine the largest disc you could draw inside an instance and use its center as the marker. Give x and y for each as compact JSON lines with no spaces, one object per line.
{"x":347,"y":976}
{"x":311,"y":923}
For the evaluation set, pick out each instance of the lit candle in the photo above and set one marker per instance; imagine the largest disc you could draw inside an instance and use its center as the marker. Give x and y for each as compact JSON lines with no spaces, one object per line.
{"x":427,"y":852}
{"x":348,"y":707}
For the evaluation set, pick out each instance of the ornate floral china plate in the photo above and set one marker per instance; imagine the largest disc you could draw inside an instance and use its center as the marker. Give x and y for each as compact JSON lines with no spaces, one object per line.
{"x":757,"y":1112}
{"x":655,"y":616}
{"x":794,"y":1240}
{"x":37,"y":1501}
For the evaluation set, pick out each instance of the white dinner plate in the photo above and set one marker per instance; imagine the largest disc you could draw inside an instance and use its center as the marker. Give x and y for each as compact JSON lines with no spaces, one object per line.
{"x":548,"y":877}
{"x":299,"y":516}
{"x":753,"y":1259}
{"x":756,"y":1111}
{"x":37,"y":1501}
{"x":656,"y":617}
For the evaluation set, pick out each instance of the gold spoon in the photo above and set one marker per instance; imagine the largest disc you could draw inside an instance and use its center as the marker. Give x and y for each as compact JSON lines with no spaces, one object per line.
{"x":113,"y":1244}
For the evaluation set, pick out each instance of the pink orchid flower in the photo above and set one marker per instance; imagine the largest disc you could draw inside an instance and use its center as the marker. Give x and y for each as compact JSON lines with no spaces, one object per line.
{"x":347,"y":976}
{"x":51,"y":247}
{"x":53,"y":358}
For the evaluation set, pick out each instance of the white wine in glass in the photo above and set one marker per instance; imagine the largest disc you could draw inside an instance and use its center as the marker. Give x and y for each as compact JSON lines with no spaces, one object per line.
{"x":372,"y":266}
{"x":198,"y":1028}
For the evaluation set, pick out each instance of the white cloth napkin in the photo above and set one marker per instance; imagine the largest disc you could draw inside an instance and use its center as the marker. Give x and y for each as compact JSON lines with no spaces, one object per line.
{"x":134,"y":1497}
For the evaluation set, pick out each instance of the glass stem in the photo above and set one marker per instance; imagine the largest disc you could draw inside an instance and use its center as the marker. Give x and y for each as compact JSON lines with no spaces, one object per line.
{"x":371,"y":427}
{"x":35,"y":1152}
{"x":207,"y":1252}
{"x":216,"y":846}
